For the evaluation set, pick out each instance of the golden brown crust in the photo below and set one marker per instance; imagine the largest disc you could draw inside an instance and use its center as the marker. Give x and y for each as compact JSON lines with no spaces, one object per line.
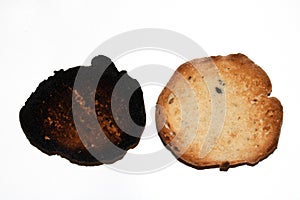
{"x":252,"y":120}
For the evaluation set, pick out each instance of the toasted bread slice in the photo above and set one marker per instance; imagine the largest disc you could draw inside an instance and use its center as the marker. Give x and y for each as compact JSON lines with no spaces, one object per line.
{"x":215,"y":112}
{"x":81,"y":123}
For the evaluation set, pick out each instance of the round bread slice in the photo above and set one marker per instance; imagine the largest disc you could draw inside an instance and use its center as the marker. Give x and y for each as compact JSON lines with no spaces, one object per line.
{"x":216,"y":112}
{"x":81,"y":123}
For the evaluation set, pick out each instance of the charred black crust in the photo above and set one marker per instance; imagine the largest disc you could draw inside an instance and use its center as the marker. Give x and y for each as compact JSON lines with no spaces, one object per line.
{"x":58,"y":90}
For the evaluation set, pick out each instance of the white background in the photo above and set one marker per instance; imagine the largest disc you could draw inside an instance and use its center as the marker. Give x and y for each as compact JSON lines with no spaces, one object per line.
{"x":38,"y":37}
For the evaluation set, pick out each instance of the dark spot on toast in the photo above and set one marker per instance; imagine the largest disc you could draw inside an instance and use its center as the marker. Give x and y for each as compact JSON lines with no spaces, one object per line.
{"x":221,"y":82}
{"x":218,"y":90}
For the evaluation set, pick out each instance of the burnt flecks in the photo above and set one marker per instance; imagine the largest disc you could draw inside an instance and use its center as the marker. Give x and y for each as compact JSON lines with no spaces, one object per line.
{"x":224,"y":166}
{"x":218,"y":90}
{"x":221,"y":82}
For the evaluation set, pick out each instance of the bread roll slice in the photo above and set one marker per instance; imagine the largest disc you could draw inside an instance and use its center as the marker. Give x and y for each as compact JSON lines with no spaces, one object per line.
{"x":216,"y":112}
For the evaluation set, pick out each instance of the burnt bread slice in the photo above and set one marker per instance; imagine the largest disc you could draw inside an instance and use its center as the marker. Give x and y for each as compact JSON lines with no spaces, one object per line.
{"x":249,"y":120}
{"x":85,"y":115}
